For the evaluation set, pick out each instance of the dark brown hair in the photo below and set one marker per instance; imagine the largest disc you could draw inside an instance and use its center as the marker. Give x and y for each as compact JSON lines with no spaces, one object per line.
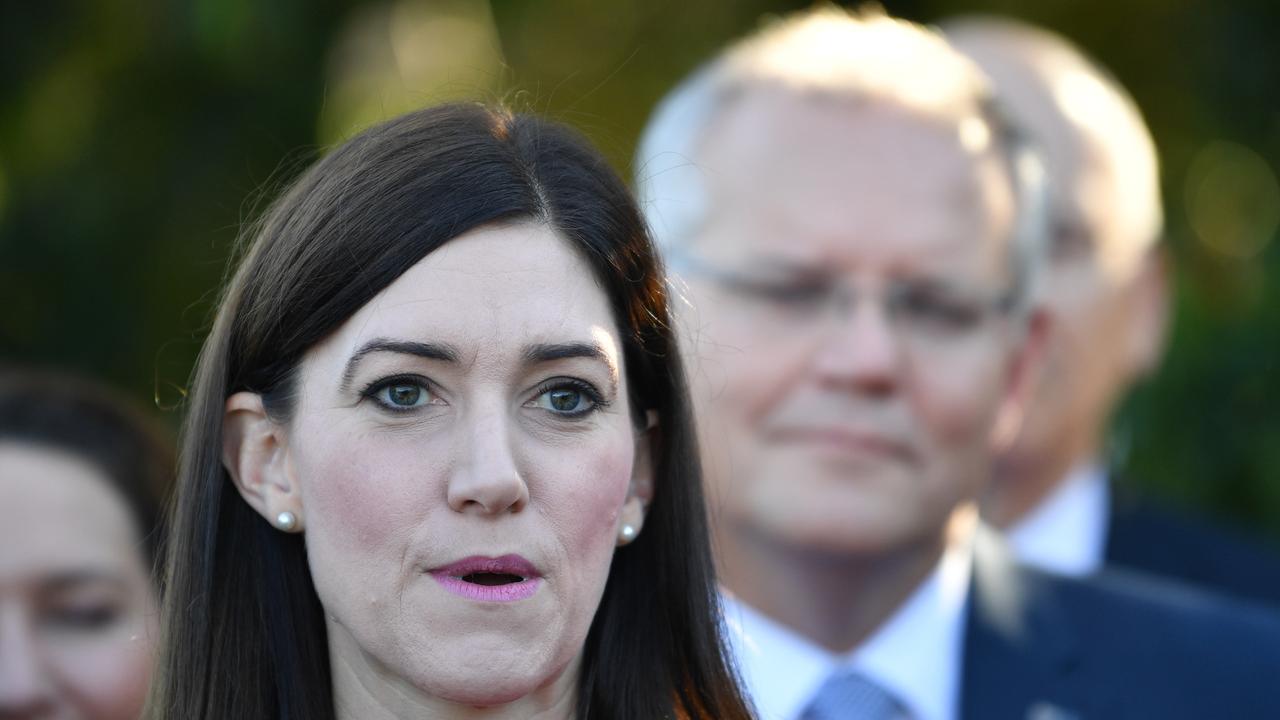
{"x":244,"y":633}
{"x":98,"y":425}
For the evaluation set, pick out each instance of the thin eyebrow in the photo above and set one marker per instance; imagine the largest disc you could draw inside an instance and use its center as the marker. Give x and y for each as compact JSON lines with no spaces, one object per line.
{"x":430,"y":351}
{"x":549,"y":352}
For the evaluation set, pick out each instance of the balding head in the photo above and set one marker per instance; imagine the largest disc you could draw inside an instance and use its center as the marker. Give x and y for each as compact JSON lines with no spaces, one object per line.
{"x":833,"y":55}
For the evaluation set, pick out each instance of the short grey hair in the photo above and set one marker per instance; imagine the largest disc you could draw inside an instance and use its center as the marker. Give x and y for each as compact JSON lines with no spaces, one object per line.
{"x":831,"y":51}
{"x":1085,"y":96}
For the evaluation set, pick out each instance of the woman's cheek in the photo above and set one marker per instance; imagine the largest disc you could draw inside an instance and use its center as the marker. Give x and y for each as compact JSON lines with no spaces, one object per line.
{"x":361,"y":490}
{"x":587,"y":501}
{"x":109,"y":682}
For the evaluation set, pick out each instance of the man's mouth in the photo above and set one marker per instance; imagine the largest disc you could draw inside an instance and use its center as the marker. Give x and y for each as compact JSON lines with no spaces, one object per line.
{"x":847,"y":440}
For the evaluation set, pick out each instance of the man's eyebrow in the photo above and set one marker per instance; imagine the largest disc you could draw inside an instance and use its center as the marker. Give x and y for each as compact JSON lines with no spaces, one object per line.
{"x":548,"y":352}
{"x":430,"y":351}
{"x":789,"y":265}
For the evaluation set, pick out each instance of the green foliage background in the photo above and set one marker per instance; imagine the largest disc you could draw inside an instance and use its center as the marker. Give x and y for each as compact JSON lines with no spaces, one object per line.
{"x":136,"y":137}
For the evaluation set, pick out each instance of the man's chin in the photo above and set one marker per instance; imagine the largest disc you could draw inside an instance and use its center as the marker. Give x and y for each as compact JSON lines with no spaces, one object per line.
{"x":857,"y":532}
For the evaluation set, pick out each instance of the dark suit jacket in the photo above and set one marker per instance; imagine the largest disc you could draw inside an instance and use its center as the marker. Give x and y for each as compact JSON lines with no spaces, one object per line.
{"x":1144,"y":536}
{"x":1043,"y":647}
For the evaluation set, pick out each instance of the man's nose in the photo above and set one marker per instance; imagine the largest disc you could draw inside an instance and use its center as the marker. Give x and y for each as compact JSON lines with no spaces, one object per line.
{"x":25,"y":686}
{"x":861,"y":351}
{"x":487,"y":477}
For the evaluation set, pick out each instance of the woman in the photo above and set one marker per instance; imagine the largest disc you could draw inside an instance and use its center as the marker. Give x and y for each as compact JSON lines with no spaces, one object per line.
{"x":81,"y":479}
{"x":438,"y":405}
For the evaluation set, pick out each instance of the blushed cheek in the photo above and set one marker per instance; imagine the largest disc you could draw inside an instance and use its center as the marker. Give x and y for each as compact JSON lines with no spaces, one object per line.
{"x":109,"y":681}
{"x":758,"y":384}
{"x":345,"y":501}
{"x":739,"y":373}
{"x":359,"y":500}
{"x":589,"y":503}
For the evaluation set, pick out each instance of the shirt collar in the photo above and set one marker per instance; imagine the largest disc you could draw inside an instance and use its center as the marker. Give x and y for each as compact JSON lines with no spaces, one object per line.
{"x":915,"y":654}
{"x":1066,"y":532}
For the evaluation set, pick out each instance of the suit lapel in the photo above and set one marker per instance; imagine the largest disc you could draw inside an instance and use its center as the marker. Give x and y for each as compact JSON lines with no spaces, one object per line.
{"x":1021,"y":657}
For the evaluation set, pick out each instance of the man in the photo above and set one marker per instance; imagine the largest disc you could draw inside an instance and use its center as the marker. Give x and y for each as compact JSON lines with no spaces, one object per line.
{"x":1105,"y":288}
{"x":857,"y":233}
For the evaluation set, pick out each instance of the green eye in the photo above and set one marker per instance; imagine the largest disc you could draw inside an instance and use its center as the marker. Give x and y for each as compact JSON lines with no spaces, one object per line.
{"x":569,"y":401}
{"x":400,"y":394}
{"x":404,"y":395}
{"x":564,"y":400}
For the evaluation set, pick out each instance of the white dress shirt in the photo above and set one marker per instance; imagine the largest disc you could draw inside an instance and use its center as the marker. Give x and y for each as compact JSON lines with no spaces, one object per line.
{"x":1067,"y":532}
{"x":915,"y":655}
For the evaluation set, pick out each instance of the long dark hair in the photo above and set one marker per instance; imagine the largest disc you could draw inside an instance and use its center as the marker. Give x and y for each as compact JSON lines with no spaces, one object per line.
{"x":244,"y":633}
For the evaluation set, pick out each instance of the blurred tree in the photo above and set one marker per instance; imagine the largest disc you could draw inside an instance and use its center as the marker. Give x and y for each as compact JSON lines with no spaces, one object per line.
{"x":136,"y":137}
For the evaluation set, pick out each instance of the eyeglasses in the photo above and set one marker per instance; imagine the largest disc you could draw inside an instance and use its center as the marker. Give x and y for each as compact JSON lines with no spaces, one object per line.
{"x":926,"y":314}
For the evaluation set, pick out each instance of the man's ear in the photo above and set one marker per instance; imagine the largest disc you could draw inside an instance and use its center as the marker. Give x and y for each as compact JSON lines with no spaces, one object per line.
{"x":640,"y":491}
{"x":1022,"y":379}
{"x":255,"y":453}
{"x":1149,"y":313}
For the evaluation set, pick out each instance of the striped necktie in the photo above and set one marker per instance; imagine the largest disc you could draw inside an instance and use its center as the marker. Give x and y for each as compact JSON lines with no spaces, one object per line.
{"x":848,"y":695}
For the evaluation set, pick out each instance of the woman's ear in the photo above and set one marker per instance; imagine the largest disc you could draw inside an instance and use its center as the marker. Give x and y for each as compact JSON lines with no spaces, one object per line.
{"x":255,"y":453}
{"x":640,"y":492}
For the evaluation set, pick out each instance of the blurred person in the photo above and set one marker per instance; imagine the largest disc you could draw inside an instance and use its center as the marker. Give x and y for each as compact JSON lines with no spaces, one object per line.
{"x":82,"y":477}
{"x":438,"y":458}
{"x":857,"y":232}
{"x":1105,"y":287}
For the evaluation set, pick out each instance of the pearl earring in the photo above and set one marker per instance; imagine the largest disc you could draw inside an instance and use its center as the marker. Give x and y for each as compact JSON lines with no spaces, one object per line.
{"x":627,"y":533}
{"x":286,"y":521}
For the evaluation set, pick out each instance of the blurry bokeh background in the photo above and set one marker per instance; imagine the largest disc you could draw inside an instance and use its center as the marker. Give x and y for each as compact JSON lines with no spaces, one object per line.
{"x":136,"y":136}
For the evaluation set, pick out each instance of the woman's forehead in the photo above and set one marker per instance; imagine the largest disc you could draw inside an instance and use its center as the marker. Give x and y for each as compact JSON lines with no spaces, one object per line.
{"x":59,"y":511}
{"x":491,"y":293}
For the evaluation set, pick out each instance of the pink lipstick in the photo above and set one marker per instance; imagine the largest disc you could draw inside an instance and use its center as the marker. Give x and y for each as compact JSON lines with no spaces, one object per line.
{"x":487,"y":579}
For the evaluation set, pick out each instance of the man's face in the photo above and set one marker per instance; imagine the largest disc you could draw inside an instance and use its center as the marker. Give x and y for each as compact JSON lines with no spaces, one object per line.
{"x":1089,"y":354}
{"x":852,"y":426}
{"x":1103,"y":290}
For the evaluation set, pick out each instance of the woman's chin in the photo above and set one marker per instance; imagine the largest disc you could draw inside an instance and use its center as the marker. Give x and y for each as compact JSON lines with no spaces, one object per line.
{"x":474,"y":685}
{"x":487,"y":692}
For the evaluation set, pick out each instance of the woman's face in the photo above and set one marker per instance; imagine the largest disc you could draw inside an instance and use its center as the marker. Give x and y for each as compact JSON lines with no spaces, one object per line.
{"x":77,"y":608}
{"x":462,"y":458}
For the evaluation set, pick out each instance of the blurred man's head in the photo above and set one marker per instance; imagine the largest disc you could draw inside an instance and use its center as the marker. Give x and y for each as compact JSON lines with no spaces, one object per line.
{"x":1103,"y":284}
{"x":857,"y":237}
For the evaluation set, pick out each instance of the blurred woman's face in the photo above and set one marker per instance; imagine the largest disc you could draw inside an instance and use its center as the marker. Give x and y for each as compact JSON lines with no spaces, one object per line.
{"x":464,"y":458}
{"x":77,"y":608}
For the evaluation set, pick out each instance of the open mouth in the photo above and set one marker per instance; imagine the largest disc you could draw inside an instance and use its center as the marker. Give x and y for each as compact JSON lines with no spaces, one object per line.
{"x":491,"y":579}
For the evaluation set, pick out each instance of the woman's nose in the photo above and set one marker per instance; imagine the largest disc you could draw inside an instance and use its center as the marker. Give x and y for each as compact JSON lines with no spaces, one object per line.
{"x":486,"y":476}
